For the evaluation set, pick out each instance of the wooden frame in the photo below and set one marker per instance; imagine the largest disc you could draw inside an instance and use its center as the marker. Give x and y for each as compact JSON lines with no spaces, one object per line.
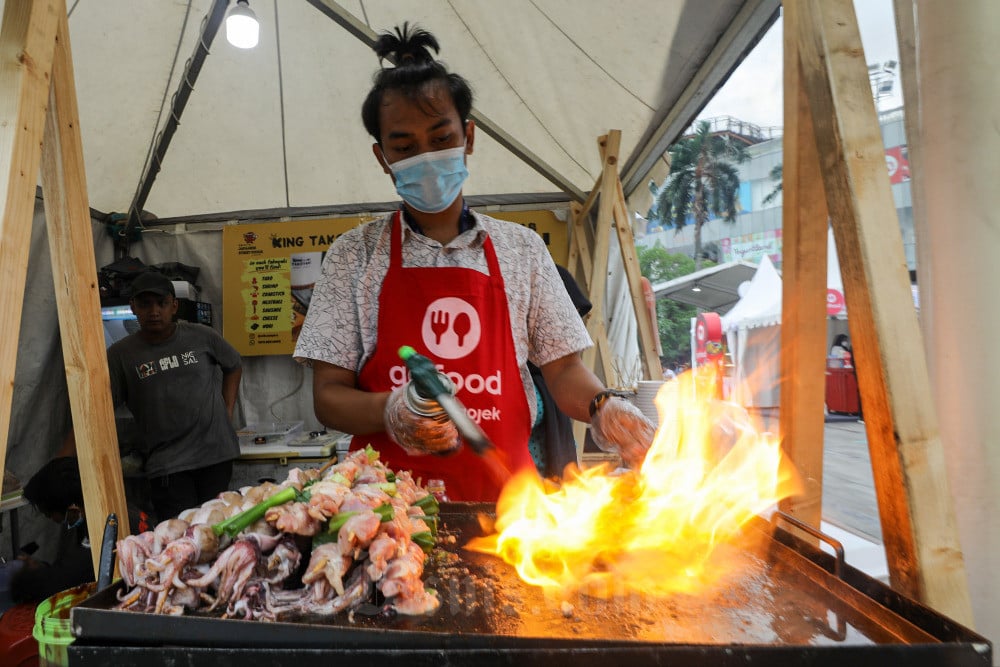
{"x":835,"y":148}
{"x":591,"y":261}
{"x":41,"y":128}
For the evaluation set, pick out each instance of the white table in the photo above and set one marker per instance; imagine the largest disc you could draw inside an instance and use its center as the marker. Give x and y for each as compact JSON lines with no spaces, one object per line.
{"x":10,"y":503}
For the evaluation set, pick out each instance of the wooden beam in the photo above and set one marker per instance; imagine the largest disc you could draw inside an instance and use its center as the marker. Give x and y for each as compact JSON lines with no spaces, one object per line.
{"x":26,"y":46}
{"x":609,"y":144}
{"x":345,"y":19}
{"x":803,"y":310}
{"x":581,"y":242}
{"x":573,"y":252}
{"x":633,"y":273}
{"x":918,"y":522}
{"x":588,"y":203}
{"x":906,"y":39}
{"x":74,"y":267}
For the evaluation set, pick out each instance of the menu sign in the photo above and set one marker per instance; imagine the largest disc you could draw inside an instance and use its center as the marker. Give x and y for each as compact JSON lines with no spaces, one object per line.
{"x":269,"y":269}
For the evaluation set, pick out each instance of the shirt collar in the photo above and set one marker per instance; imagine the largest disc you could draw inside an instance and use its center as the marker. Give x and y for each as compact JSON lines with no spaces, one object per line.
{"x":466,"y":220}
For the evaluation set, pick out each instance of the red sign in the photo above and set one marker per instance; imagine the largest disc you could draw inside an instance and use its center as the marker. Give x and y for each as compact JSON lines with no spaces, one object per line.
{"x":708,"y":338}
{"x":835,"y":304}
{"x":897,"y":161}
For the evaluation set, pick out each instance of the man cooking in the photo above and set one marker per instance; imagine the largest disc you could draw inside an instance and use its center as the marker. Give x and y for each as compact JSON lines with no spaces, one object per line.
{"x":480,"y":297}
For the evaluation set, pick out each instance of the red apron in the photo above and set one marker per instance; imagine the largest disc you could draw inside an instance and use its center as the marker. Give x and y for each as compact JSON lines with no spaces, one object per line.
{"x":459,"y":319}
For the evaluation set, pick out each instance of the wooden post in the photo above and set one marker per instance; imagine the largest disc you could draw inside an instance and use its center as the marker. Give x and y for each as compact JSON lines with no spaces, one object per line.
{"x":27,"y":37}
{"x":74,"y":267}
{"x":602,"y":241}
{"x":579,"y":248}
{"x":918,"y":522}
{"x":955,"y":142}
{"x":803,"y":309}
{"x":630,"y":260}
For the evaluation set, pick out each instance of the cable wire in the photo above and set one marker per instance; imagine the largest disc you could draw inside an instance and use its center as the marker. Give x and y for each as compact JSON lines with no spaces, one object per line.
{"x":159,"y":115}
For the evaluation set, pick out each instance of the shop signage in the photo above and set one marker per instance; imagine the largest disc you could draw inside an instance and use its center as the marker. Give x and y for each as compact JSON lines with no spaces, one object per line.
{"x":269,"y":269}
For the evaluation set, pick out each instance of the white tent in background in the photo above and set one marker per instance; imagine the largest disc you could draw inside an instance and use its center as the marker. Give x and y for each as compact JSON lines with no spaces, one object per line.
{"x":753,"y":334}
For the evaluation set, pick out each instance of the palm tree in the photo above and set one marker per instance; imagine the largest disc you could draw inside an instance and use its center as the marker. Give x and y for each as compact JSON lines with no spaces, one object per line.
{"x":702,"y":180}
{"x":777,"y":176}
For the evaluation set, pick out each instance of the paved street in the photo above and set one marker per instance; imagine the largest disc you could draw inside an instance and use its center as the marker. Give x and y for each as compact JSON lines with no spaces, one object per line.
{"x":848,"y":490}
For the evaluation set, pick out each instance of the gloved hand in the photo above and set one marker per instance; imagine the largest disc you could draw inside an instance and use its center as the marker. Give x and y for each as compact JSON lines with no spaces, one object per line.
{"x":416,"y":433}
{"x":618,"y":426}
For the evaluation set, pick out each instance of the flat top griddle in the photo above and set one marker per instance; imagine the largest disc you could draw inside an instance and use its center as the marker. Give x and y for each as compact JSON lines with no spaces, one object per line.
{"x":772,"y":595}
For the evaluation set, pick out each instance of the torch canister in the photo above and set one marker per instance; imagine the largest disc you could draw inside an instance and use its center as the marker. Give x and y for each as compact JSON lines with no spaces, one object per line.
{"x":427,"y":406}
{"x":430,"y":385}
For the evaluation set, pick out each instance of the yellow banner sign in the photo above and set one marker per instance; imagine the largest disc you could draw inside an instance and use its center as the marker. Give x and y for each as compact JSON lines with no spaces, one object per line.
{"x":268,"y":272}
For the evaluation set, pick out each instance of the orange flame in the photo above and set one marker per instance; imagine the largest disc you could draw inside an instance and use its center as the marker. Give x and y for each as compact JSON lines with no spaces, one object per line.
{"x":707,"y":473}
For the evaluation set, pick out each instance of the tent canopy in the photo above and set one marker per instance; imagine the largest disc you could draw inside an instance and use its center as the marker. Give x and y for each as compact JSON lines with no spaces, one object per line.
{"x":278,"y":127}
{"x":760,"y":305}
{"x":716,"y":288}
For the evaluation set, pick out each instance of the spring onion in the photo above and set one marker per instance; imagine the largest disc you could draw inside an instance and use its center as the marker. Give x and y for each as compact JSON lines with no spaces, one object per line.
{"x":428,"y":504}
{"x":337,"y":521}
{"x":237,"y":523}
{"x":425,"y":540}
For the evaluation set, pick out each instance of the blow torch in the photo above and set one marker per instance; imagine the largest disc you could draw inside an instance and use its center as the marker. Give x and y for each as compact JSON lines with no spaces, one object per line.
{"x":431,"y":385}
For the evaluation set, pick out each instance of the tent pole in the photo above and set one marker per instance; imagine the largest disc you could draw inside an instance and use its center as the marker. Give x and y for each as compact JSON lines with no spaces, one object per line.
{"x":27,"y":38}
{"x":209,"y":29}
{"x":78,"y":302}
{"x":42,"y":129}
{"x":915,"y":505}
{"x":951,"y":81}
{"x":803,"y":313}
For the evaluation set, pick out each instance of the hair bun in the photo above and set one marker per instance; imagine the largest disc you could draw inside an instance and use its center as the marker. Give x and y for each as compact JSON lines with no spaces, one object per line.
{"x":407,"y":46}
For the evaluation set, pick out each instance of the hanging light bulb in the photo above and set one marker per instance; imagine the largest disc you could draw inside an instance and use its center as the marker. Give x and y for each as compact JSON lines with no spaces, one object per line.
{"x":242,"y":28}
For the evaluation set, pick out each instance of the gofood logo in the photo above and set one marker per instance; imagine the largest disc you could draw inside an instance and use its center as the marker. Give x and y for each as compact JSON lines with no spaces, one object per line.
{"x":451,"y":328}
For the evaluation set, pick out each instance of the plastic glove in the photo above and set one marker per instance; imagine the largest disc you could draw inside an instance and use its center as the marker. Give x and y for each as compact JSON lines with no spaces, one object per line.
{"x":415,"y":433}
{"x":620,"y":427}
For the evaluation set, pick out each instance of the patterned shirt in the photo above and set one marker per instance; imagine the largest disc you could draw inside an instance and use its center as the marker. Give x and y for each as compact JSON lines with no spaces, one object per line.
{"x":341,"y":327}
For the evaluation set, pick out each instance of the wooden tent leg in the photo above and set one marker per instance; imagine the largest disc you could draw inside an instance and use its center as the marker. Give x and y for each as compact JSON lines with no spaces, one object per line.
{"x":579,"y":252}
{"x":630,"y":260}
{"x":803,"y":312}
{"x":918,"y":522}
{"x":74,"y":267}
{"x":26,"y":47}
{"x":599,"y":273}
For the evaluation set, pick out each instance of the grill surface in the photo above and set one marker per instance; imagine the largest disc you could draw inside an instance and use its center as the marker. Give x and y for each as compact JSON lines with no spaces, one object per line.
{"x":779,"y":597}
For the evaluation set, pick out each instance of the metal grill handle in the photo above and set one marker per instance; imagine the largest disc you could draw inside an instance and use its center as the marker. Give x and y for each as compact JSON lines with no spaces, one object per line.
{"x":838,"y":548}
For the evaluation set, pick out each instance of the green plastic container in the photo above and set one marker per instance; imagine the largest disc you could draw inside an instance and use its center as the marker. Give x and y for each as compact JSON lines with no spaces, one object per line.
{"x":53,"y":630}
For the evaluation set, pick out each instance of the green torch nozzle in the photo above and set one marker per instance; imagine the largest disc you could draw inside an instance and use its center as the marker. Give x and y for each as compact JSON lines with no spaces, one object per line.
{"x":422,"y":373}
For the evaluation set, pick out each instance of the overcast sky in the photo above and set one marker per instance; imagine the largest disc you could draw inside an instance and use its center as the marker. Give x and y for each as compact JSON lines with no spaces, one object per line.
{"x":753,"y":92}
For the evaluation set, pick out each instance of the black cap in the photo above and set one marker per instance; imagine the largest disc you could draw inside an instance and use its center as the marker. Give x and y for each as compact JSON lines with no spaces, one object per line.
{"x":152,"y":281}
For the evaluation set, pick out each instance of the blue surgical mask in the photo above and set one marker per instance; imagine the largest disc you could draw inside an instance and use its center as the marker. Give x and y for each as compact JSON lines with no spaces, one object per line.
{"x":430,"y":182}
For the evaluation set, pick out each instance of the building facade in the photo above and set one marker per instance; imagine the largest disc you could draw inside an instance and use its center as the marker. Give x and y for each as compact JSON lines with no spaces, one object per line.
{"x":757,"y":229}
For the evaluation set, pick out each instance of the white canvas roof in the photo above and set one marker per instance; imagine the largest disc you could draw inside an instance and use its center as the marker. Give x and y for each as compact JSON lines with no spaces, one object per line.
{"x":279,"y":126}
{"x":760,"y":304}
{"x":716,"y":288}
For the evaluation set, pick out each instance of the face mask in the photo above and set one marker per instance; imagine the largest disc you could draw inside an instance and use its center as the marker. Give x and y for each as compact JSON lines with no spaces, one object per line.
{"x":430,"y":182}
